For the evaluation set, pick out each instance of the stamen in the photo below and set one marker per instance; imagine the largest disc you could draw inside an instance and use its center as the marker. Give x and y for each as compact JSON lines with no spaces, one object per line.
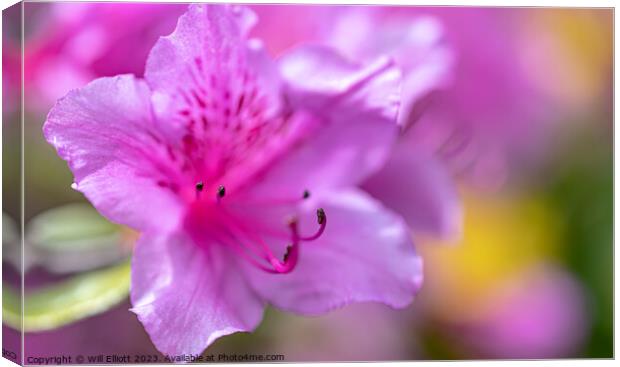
{"x":242,"y":251}
{"x":237,"y":232}
{"x":321,"y":218}
{"x":243,"y":239}
{"x":290,"y":260}
{"x":221,"y":191}
{"x":288,"y":252}
{"x":199,"y":187}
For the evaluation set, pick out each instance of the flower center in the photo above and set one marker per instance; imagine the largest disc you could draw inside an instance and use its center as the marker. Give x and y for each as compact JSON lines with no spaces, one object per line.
{"x":211,"y":220}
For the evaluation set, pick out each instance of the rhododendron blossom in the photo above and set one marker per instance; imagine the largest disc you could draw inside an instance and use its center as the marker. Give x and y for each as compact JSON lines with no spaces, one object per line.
{"x":241,"y":175}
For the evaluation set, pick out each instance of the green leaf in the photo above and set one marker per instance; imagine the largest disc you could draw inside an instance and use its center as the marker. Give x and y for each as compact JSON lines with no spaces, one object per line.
{"x":69,"y":301}
{"x":73,"y":238}
{"x":71,"y":227}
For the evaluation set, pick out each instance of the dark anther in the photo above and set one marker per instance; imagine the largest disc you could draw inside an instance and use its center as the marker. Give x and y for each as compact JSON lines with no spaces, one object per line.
{"x":221,"y":191}
{"x":288,"y":252}
{"x":306,"y":194}
{"x":200,"y":186}
{"x":320,"y":215}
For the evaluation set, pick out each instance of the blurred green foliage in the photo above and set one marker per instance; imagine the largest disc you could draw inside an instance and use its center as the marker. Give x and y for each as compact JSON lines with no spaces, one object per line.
{"x":582,"y":190}
{"x":72,"y":238}
{"x":68,"y":301}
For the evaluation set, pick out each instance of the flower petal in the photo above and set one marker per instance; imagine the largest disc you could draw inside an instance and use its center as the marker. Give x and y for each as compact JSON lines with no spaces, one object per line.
{"x":365,"y":254}
{"x":356,"y":108}
{"x":414,"y":184}
{"x":207,"y":64}
{"x":106,"y":134}
{"x":417,"y":44}
{"x":187,"y":296}
{"x":318,"y":77}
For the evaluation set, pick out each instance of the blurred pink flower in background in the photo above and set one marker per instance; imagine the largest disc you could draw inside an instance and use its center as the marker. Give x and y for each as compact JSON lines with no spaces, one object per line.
{"x":494,"y":119}
{"x":210,"y":156}
{"x":541,"y":313}
{"x":483,"y":117}
{"x":69,"y":44}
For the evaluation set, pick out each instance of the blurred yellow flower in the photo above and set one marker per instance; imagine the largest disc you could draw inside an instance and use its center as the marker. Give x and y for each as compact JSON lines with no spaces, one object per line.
{"x":502,"y":235}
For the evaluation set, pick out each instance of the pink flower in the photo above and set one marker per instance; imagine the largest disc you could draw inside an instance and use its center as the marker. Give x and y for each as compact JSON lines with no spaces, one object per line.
{"x":541,"y":313}
{"x":73,"y":43}
{"x":225,"y":161}
{"x":490,"y":119}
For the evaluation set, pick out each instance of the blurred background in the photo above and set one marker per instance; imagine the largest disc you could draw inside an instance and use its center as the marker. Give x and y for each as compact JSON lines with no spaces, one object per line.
{"x":528,"y":105}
